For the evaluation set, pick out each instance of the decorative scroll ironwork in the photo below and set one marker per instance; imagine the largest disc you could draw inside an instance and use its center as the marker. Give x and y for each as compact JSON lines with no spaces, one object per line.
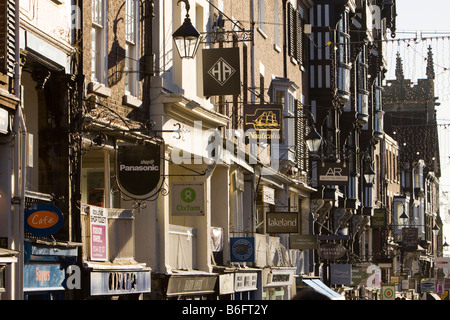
{"x":222,"y":36}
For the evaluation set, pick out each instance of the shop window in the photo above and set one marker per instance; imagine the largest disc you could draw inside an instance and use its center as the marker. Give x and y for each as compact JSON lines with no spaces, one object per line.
{"x":96,"y":186}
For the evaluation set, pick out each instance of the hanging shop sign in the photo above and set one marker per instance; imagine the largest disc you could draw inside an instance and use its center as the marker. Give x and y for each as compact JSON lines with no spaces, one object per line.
{"x":242,"y":249}
{"x":282,"y":222}
{"x":187,"y":199}
{"x":427,"y":285}
{"x":333,"y":173}
{"x":263,"y":121}
{"x":221,"y":71}
{"x":303,"y":241}
{"x":268,"y":195}
{"x":120,"y":282}
{"x":410,"y":239}
{"x":331,"y":251}
{"x":388,"y":292}
{"x":98,"y":218}
{"x":442,"y":262}
{"x":138,"y":168}
{"x":43,"y":220}
{"x":341,"y":274}
{"x":378,"y":220}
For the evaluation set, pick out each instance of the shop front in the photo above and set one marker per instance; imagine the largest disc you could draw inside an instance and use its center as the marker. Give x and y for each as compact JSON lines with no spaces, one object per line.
{"x":7,"y":257}
{"x":239,"y":284}
{"x":109,"y":266}
{"x":118,"y":282}
{"x":190,"y":285}
{"x":278,"y":283}
{"x":48,"y":269}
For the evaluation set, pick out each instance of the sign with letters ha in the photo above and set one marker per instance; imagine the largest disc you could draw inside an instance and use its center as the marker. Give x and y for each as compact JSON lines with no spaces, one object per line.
{"x":221,"y":75}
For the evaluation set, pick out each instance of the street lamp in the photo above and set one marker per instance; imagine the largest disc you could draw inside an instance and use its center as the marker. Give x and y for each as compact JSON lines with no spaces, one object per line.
{"x":369,"y":174}
{"x":313,"y":140}
{"x":436,"y":229}
{"x":186,"y":37}
{"x":404,"y":218}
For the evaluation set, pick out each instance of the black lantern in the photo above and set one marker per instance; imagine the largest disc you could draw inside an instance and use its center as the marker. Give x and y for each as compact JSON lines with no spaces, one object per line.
{"x":404,"y":218}
{"x":369,"y":174}
{"x":187,"y":38}
{"x":313,"y":140}
{"x":436,"y":230}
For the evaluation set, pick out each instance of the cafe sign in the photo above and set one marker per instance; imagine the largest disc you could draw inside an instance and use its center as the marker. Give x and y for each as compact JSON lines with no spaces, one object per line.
{"x":138,"y":168}
{"x":43,"y":220}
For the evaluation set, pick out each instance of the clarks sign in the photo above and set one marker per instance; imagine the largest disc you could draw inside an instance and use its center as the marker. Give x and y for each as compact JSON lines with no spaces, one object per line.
{"x":138,"y":168}
{"x":282,"y":222}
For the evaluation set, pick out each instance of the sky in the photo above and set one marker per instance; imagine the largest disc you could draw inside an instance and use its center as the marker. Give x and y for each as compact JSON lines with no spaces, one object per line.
{"x":421,"y":19}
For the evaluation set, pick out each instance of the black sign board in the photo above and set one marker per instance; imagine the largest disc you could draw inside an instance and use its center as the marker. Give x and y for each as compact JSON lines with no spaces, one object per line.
{"x":138,"y":168}
{"x":410,"y":239}
{"x":378,"y":220}
{"x":282,"y":222}
{"x":221,"y":75}
{"x":333,"y":173}
{"x":263,"y":121}
{"x":331,"y":251}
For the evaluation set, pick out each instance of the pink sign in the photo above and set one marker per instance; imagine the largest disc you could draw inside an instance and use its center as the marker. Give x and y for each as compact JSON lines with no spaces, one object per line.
{"x":98,"y":218}
{"x":98,"y":242}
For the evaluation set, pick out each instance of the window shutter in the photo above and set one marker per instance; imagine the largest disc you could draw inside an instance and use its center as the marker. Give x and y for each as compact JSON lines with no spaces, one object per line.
{"x":300,"y":134}
{"x":299,"y":40}
{"x":291,"y":30}
{"x":7,"y":37}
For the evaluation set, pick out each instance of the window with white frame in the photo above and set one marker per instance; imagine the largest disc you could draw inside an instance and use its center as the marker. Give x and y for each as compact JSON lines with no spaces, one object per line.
{"x":98,"y":63}
{"x":131,"y":48}
{"x":262,"y":15}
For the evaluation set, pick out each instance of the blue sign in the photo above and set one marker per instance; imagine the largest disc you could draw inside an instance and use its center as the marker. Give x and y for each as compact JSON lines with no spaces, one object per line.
{"x":242,"y":249}
{"x":39,"y":276}
{"x":43,"y":220}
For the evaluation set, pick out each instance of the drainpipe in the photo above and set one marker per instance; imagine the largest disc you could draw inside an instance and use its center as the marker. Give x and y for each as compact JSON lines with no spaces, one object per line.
{"x":17,"y":233}
{"x":252,"y":51}
{"x":285,"y":35}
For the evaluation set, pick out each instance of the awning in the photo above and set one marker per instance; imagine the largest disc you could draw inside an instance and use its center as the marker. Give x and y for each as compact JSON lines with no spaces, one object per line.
{"x":8,"y":256}
{"x":432,"y":296}
{"x":321,"y":287}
